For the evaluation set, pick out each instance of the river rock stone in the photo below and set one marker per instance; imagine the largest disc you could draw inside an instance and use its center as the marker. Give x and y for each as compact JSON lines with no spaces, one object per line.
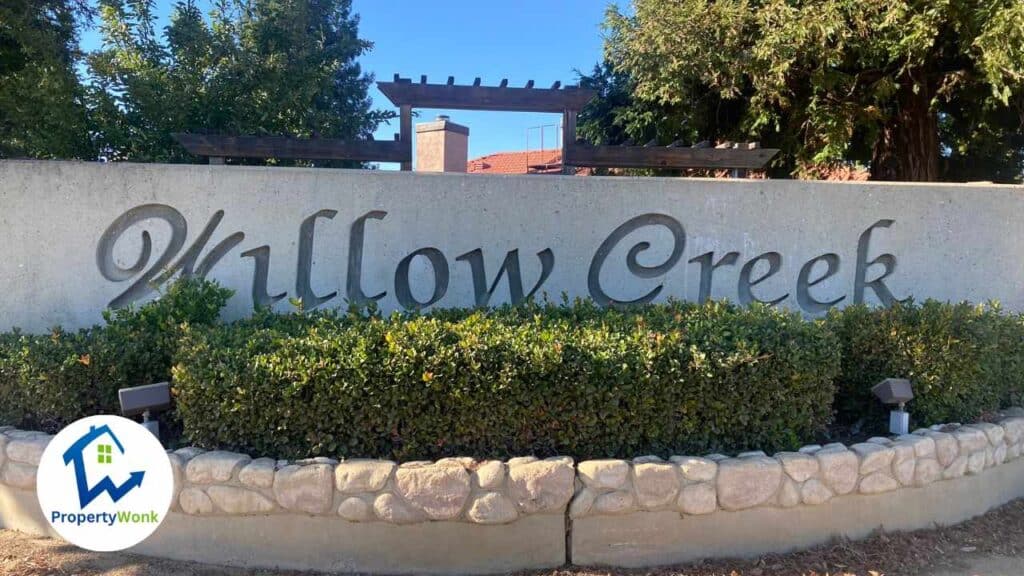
{"x":809,"y":449}
{"x":697,"y":469}
{"x":353,"y":476}
{"x":259,"y":473}
{"x":492,"y":508}
{"x":970,"y":439}
{"x":3,"y":449}
{"x":789,"y":494}
{"x":195,"y":502}
{"x":699,"y":498}
{"x":490,"y":475}
{"x":178,"y":473}
{"x":1013,"y":451}
{"x":355,"y":510}
{"x":582,"y":503}
{"x":541,"y":486}
{"x":924,"y":447}
{"x":215,"y":467}
{"x":956,"y":469}
{"x":993,"y":432}
{"x":19,"y":475}
{"x":927,"y":471}
{"x":656,"y":484}
{"x":976,"y":462}
{"x":521,"y":460}
{"x":466,"y":462}
{"x":748,"y":482}
{"x":439,"y":491}
{"x":873,"y":457}
{"x":999,"y":454}
{"x":28,"y":450}
{"x":815,"y":492}
{"x":189,"y":452}
{"x":903,"y":463}
{"x":1013,"y":429}
{"x":605,"y":474}
{"x":234,"y":500}
{"x":877,"y":483}
{"x":946,"y":447}
{"x":391,"y":508}
{"x":618,"y":502}
{"x":307,"y":489}
{"x":800,"y":466}
{"x":839,"y":469}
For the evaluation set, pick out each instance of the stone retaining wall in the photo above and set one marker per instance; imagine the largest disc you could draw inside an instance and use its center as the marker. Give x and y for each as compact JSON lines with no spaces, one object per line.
{"x":812,"y":476}
{"x":494,"y":513}
{"x":452,"y":489}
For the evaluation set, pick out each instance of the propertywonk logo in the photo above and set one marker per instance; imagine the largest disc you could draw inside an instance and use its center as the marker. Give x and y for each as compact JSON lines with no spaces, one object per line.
{"x":105,"y":483}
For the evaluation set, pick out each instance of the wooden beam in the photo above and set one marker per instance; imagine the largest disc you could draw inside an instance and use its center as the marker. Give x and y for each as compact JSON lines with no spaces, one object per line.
{"x":666,"y":157}
{"x":496,"y":98}
{"x":405,"y":126}
{"x":568,"y":139}
{"x":216,"y":146}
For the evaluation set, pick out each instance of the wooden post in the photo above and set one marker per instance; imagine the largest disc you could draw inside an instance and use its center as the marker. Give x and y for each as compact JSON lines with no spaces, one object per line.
{"x":568,"y":138}
{"x":405,"y":127}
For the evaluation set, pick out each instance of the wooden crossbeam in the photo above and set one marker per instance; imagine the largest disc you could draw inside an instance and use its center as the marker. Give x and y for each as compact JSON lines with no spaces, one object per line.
{"x":218,"y":146}
{"x":667,"y":157}
{"x":500,"y":98}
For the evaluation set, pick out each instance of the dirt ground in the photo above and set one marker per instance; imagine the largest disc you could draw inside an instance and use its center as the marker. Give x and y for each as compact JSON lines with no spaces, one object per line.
{"x":990,"y":545}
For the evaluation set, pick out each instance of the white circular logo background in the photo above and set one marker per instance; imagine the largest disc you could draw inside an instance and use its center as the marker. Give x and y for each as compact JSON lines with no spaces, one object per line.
{"x":105,"y":483}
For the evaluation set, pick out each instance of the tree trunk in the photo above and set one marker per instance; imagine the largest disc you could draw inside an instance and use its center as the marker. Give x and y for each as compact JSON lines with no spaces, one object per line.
{"x":907,"y":148}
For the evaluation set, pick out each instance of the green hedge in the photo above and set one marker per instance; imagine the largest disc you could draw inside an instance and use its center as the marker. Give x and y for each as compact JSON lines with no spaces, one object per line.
{"x":963,"y":360}
{"x":48,"y":381}
{"x":545,"y":380}
{"x":542,"y":379}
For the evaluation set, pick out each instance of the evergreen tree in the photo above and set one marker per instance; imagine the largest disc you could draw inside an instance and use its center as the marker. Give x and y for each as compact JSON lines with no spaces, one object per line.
{"x":42,"y":103}
{"x":283,"y":67}
{"x":916,"y":89}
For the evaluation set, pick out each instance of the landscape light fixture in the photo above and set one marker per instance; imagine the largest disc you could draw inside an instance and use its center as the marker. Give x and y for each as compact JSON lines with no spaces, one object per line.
{"x":146,"y":400}
{"x":896,"y":391}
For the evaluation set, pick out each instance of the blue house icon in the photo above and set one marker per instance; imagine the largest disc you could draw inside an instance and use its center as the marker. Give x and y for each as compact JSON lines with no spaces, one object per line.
{"x":76,"y":454}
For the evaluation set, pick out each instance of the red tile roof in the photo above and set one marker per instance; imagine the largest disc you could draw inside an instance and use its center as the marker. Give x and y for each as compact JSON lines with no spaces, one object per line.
{"x":525,"y":162}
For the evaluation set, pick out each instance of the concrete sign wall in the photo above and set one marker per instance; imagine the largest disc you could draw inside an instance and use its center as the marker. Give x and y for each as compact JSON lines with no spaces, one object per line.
{"x":81,"y":237}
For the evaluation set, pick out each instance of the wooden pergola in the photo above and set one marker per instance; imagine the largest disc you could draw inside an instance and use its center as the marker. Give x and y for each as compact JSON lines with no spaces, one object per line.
{"x":407,"y":95}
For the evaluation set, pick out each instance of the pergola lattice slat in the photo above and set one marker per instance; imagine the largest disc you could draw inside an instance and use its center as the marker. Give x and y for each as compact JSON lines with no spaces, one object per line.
{"x":492,"y":98}
{"x":667,"y":157}
{"x":219,"y":146}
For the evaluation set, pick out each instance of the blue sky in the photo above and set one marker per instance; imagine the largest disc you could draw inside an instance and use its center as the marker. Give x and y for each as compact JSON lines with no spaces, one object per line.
{"x":542,"y":40}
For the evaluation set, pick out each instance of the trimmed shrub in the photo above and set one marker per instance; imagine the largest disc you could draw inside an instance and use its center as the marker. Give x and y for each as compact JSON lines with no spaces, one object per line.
{"x":572,"y":379}
{"x":963,"y":360}
{"x":48,"y":381}
{"x":579,"y":380}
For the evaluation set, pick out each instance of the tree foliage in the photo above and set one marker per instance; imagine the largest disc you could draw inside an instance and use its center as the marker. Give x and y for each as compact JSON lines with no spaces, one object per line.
{"x":42,"y":104}
{"x":920,"y":90}
{"x":245,"y":67}
{"x":248,"y":67}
